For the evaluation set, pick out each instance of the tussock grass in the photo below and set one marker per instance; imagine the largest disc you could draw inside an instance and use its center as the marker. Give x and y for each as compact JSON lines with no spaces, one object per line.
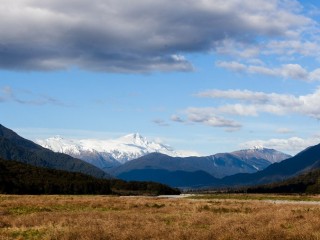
{"x":100,"y":217}
{"x":243,"y":196}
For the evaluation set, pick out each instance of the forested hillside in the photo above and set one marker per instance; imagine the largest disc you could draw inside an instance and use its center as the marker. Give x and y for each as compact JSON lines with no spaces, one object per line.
{"x":20,"y":178}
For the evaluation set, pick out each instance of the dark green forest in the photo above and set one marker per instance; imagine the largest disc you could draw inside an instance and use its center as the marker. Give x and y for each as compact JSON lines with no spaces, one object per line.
{"x":20,"y":178}
{"x":305,"y":183}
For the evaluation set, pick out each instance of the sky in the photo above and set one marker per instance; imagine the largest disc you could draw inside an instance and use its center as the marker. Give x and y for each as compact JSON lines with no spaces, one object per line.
{"x":204,"y":76}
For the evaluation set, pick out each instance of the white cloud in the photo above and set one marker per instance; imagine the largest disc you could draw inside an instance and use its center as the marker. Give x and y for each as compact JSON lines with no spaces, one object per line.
{"x":293,"y":71}
{"x":119,"y":36}
{"x":208,"y":116}
{"x":292,"y":47}
{"x":237,"y":49}
{"x":234,"y":66}
{"x":244,"y":95}
{"x":237,"y":109}
{"x":315,"y":75}
{"x":291,"y":145}
{"x":287,"y":71}
{"x":253,"y":103}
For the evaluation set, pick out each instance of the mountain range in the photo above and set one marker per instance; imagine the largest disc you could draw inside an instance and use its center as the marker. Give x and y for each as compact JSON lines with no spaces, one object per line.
{"x":303,"y":162}
{"x":110,"y":153}
{"x":218,"y":165}
{"x":134,"y":152}
{"x":215,"y":171}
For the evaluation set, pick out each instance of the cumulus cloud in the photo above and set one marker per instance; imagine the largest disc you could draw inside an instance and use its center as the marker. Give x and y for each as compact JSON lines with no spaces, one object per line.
{"x":287,"y":71}
{"x":291,"y":145}
{"x":208,"y":116}
{"x":253,"y":103}
{"x":286,"y":48}
{"x":237,"y":49}
{"x":292,"y":47}
{"x":250,"y":103}
{"x":119,"y":36}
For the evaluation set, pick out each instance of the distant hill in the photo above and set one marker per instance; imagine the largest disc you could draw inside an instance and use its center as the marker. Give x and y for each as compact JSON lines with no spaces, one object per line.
{"x":195,"y":172}
{"x":218,"y":165}
{"x":21,"y":178}
{"x":215,"y":166}
{"x":307,"y":160}
{"x":14,"y":147}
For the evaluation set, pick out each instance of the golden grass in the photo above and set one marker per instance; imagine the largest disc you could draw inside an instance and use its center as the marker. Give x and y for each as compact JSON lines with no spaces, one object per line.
{"x":100,"y":217}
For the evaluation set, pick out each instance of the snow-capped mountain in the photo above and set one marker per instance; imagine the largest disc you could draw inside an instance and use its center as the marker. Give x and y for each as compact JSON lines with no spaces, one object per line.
{"x":259,"y":152}
{"x":109,"y":153}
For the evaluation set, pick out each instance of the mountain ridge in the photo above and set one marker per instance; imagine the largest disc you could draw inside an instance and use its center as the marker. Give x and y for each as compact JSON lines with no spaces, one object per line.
{"x":110,"y":153}
{"x":217,"y":165}
{"x":303,"y":162}
{"x":15,"y":147}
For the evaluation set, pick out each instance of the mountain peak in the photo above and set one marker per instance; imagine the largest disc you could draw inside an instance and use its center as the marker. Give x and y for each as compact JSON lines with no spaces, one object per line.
{"x":257,"y":147}
{"x":133,"y":136}
{"x":6,"y":132}
{"x":56,"y":137}
{"x":259,"y":152}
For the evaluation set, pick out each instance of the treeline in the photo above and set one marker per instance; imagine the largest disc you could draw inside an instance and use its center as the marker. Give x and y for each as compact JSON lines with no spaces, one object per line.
{"x":305,"y":183}
{"x":121,"y":187}
{"x":20,"y":178}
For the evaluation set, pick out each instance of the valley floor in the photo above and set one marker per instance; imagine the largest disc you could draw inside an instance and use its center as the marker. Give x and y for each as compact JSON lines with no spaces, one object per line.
{"x":194,"y":217}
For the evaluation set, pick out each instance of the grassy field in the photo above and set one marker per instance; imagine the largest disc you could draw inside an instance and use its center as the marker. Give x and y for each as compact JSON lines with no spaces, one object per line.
{"x":206,"y":217}
{"x":242,"y":196}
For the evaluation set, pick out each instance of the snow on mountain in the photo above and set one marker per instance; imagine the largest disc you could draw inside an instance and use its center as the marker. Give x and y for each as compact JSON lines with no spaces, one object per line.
{"x":259,"y":152}
{"x":109,"y":153}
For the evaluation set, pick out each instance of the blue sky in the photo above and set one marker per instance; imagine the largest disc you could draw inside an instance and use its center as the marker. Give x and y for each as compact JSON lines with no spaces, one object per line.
{"x":206,"y":76}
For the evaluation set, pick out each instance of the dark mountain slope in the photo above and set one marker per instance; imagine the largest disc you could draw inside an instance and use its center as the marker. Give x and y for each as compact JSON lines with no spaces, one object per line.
{"x":14,"y":147}
{"x":304,"y":161}
{"x":175,"y":179}
{"x":218,"y":165}
{"x":305,"y":183}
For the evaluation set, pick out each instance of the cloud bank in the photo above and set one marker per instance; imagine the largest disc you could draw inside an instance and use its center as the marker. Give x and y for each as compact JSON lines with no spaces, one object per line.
{"x":245,"y":103}
{"x":286,"y":71}
{"x":208,"y":117}
{"x":252,"y":103}
{"x":144,"y":36}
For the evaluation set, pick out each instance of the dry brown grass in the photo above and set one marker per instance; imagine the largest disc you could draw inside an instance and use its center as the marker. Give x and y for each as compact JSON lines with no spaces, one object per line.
{"x":100,"y":217}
